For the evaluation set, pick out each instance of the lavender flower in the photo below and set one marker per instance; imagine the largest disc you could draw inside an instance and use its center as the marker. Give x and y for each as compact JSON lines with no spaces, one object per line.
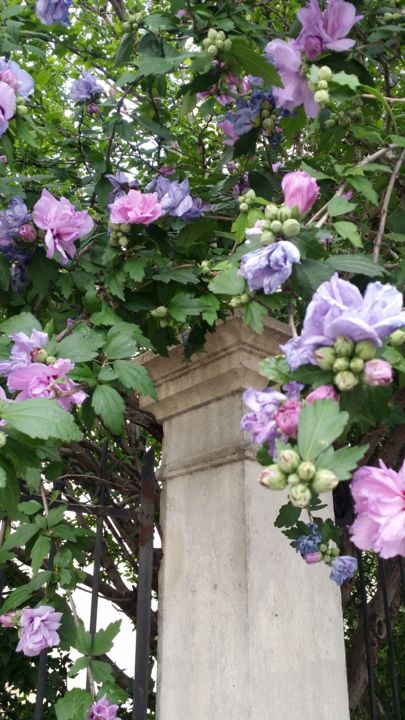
{"x":327,"y":30}
{"x":269,"y":267}
{"x":103,"y":710}
{"x":338,"y":309}
{"x":85,"y":88}
{"x":308,"y":543}
{"x":265,"y":405}
{"x":343,"y":568}
{"x":47,"y":381}
{"x":286,"y":57}
{"x":38,"y":630}
{"x":51,"y":12}
{"x":197,"y":210}
{"x":174,"y":196}
{"x":24,"y":350}
{"x":7,"y":106}
{"x":121,"y":184}
{"x":19,"y":80}
{"x":12,"y":219}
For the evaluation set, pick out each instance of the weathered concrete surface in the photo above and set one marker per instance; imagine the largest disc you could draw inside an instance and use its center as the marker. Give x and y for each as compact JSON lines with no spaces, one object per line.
{"x":247,"y":630}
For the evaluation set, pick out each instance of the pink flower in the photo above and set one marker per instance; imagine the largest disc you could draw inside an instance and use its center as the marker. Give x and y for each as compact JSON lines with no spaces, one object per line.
{"x":7,"y":105}
{"x":63,"y":225}
{"x":24,"y":350}
{"x":287,"y":417}
{"x":135,"y":208}
{"x":39,"y":628}
{"x":324,"y":392}
{"x":230,"y":135}
{"x":10,"y":79}
{"x":286,"y":57}
{"x":312,"y":558}
{"x":327,"y":30}
{"x":300,"y":190}
{"x":8,"y":620}
{"x":379,"y":496}
{"x":47,"y":381}
{"x":378,"y":372}
{"x":103,"y":710}
{"x":27,"y":233}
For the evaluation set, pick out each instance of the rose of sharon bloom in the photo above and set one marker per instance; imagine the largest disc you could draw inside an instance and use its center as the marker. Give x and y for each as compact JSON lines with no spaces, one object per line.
{"x":379,"y":502}
{"x":27,"y":233}
{"x":343,"y":568}
{"x":378,"y":372}
{"x":38,"y":626}
{"x":174,"y":197}
{"x":63,"y":224}
{"x":327,"y":30}
{"x":18,"y":79}
{"x":11,"y":219}
{"x":227,"y":128}
{"x":300,"y":190}
{"x":264,"y":406}
{"x":47,"y":381}
{"x":338,"y":308}
{"x":135,"y":208}
{"x":287,"y":59}
{"x":7,"y":106}
{"x":121,"y":183}
{"x":103,"y":710}
{"x":324,"y":392}
{"x":8,"y":619}
{"x":24,"y":350}
{"x":85,"y":88}
{"x":51,"y":12}
{"x":269,"y":267}
{"x":287,"y":418}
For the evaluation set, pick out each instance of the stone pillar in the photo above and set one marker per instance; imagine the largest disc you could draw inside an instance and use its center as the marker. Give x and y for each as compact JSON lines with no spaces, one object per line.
{"x":248,"y":631}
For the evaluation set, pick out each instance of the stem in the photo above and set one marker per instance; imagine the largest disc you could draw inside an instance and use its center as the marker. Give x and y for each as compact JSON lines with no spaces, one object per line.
{"x":44,"y":501}
{"x":385,"y":206}
{"x":76,"y":621}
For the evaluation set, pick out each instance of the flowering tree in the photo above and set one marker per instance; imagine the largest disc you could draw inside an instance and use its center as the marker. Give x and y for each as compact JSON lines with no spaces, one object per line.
{"x":161,"y":167}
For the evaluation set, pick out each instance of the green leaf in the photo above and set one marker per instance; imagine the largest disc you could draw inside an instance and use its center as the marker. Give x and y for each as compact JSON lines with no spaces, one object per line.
{"x":110,"y":405}
{"x":4,"y":273}
{"x":80,"y":346}
{"x":102,"y":671}
{"x":31,"y":507}
{"x":24,"y":322}
{"x":254,"y":63}
{"x":135,"y":377}
{"x":341,"y":462}
{"x":309,"y":274}
{"x":340,"y":206}
{"x":319,"y":425}
{"x":184,"y":304}
{"x":123,"y":341}
{"x":105,"y":316}
{"x":239,"y":226}
{"x":104,"y":639}
{"x":253,"y":315}
{"x":135,"y":268}
{"x":398,"y":140}
{"x":227,"y":282}
{"x":275,"y":369}
{"x":55,"y":516}
{"x":183,"y":276}
{"x":41,"y":419}
{"x":124,"y":51}
{"x":21,"y":536}
{"x":342,"y":78}
{"x":357,"y":264}
{"x":73,"y":705}
{"x":79,"y":664}
{"x":348,"y":231}
{"x":287,"y":516}
{"x":364,"y":186}
{"x":39,"y":552}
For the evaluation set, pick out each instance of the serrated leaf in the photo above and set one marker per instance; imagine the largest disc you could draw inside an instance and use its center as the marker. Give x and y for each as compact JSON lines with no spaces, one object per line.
{"x":364,"y":186}
{"x":183,"y":276}
{"x":40,"y":550}
{"x":124,"y":51}
{"x":357,"y":264}
{"x":104,"y":639}
{"x":287,"y":516}
{"x":79,"y":664}
{"x":183,"y":305}
{"x":253,"y":63}
{"x":135,"y":377}
{"x":343,"y":78}
{"x":24,"y":322}
{"x":120,"y":345}
{"x":110,"y":406}
{"x":227,"y":282}
{"x":319,"y":425}
{"x":253,"y":316}
{"x":341,"y":462}
{"x":348,"y":231}
{"x":41,"y":419}
{"x":340,"y":206}
{"x":21,"y":536}
{"x":80,"y":346}
{"x":135,"y":268}
{"x":275,"y":369}
{"x":73,"y":705}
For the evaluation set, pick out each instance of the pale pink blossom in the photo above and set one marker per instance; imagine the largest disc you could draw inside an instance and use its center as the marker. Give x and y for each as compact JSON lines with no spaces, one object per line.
{"x":63,"y":224}
{"x":38,"y":630}
{"x":135,"y":208}
{"x":300,"y":190}
{"x":324,"y":392}
{"x":47,"y":381}
{"x":378,"y":372}
{"x":8,"y":103}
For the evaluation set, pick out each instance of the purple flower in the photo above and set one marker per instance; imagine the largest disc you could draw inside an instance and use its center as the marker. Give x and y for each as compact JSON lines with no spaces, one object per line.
{"x":197,"y":210}
{"x":228,"y":129}
{"x":51,"y":12}
{"x":323,"y":392}
{"x":286,"y":57}
{"x":300,"y":190}
{"x":27,"y":233}
{"x":313,"y":558}
{"x":327,"y":30}
{"x":47,"y":381}
{"x":135,"y":208}
{"x":174,"y":196}
{"x":63,"y":225}
{"x":103,"y":710}
{"x":269,"y":267}
{"x":24,"y":350}
{"x":7,"y":106}
{"x":85,"y":88}
{"x":8,"y":620}
{"x":309,"y":543}
{"x":19,"y":80}
{"x":121,"y":184}
{"x":265,"y":405}
{"x":12,"y":219}
{"x":378,"y":372}
{"x":338,"y":309}
{"x":343,"y":568}
{"x":38,"y":626}
{"x":287,"y":418}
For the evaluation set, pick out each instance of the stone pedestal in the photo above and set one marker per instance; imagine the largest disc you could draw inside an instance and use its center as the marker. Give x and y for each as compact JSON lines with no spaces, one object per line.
{"x":248,"y":631}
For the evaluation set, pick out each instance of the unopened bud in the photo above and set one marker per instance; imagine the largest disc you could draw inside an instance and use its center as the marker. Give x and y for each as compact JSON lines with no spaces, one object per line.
{"x":227,"y":45}
{"x":212,"y":34}
{"x":244,"y":299}
{"x":125,"y":227}
{"x":27,"y":233}
{"x":219,"y":44}
{"x":378,"y":372}
{"x":40,"y":356}
{"x":345,"y":380}
{"x":291,"y":227}
{"x":340,"y":363}
{"x":244,"y":207}
{"x":123,"y":242}
{"x":276,"y":226}
{"x":3,"y":439}
{"x":284,"y":213}
{"x":323,"y":85}
{"x":356,"y":365}
{"x":344,"y":346}
{"x":288,"y":461}
{"x":271,"y":212}
{"x":21,"y":110}
{"x":250,"y":194}
{"x":50,"y":360}
{"x":300,"y":495}
{"x":267,"y":237}
{"x":325,"y":73}
{"x":221,"y":35}
{"x":273,"y":478}
{"x":321,"y":97}
{"x":159,"y":312}
{"x":325,"y":357}
{"x":365,"y":350}
{"x":235,"y":301}
{"x":293,"y":479}
{"x":397,"y":337}
{"x":212,"y":50}
{"x":324,"y":481}
{"x":126,"y":26}
{"x":306,"y":470}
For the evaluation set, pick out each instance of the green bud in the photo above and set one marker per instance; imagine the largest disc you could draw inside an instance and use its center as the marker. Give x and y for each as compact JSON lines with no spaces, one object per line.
{"x":134,"y":26}
{"x":3,"y":439}
{"x":250,"y":194}
{"x":271,"y":212}
{"x":288,"y":461}
{"x":206,"y":42}
{"x":212,"y":34}
{"x":344,"y":346}
{"x":284,"y":213}
{"x":244,"y":207}
{"x":330,"y":123}
{"x":293,"y":479}
{"x":227,"y":45}
{"x":323,"y":85}
{"x":219,"y":44}
{"x":356,"y":365}
{"x":325,"y":357}
{"x":268,"y":123}
{"x":345,"y":380}
{"x":123,"y":242}
{"x":21,"y":110}
{"x":273,"y":478}
{"x":213,"y":50}
{"x":265,"y":114}
{"x":397,"y":337}
{"x":306,"y":470}
{"x":163,"y":323}
{"x":221,"y":35}
{"x":323,"y":548}
{"x":159,"y":312}
{"x":340,"y":364}
{"x":41,"y":356}
{"x":138,"y":17}
{"x":324,"y":481}
{"x":131,"y":18}
{"x":325,"y":73}
{"x":334,"y":551}
{"x":365,"y":349}
{"x":321,"y":97}
{"x":291,"y":227}
{"x":267,"y":237}
{"x":125,"y":227}
{"x":300,"y":495}
{"x":235,"y":301}
{"x":276,"y":226}
{"x":50,"y":360}
{"x":126,"y":26}
{"x":245,"y":299}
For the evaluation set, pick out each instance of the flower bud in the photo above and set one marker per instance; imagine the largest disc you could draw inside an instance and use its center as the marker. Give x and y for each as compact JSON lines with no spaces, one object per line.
{"x":245,"y":299}
{"x":300,"y":495}
{"x":159,"y":312}
{"x":378,"y":372}
{"x":324,"y":481}
{"x":345,"y":380}
{"x":287,"y":417}
{"x":27,"y":233}
{"x":365,"y":350}
{"x":325,"y":73}
{"x":323,"y":392}
{"x":356,"y":364}
{"x":330,"y":122}
{"x":212,"y":50}
{"x":340,"y":363}
{"x":21,"y":110}
{"x":325,"y":357}
{"x":288,"y":461}
{"x":125,"y":227}
{"x":321,"y":97}
{"x":276,"y":226}
{"x":39,"y":356}
{"x":397,"y":337}
{"x":273,"y":478}
{"x":312,"y":558}
{"x":3,"y":159}
{"x":3,"y":439}
{"x":123,"y":242}
{"x":323,"y":85}
{"x":235,"y":302}
{"x":250,"y":194}
{"x":244,"y":207}
{"x":267,"y":237}
{"x":219,"y":44}
{"x":291,"y":227}
{"x":344,"y":346}
{"x":293,"y":479}
{"x":285,"y":213}
{"x":306,"y":470}
{"x":126,"y":26}
{"x":221,"y":35}
{"x":212,"y":34}
{"x":271,"y":212}
{"x":50,"y":360}
{"x":227,"y":45}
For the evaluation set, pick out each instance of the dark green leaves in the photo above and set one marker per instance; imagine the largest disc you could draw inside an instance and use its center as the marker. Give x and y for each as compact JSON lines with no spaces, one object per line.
{"x":227,"y":282}
{"x":319,"y":425}
{"x":40,"y":419}
{"x":135,"y":377}
{"x":109,"y":404}
{"x":343,"y":461}
{"x":254,"y":63}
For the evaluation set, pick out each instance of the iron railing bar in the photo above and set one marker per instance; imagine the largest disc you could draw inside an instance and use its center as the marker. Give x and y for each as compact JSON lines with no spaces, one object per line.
{"x":367,"y":641}
{"x":43,"y":659}
{"x":144,"y":589}
{"x":390,"y":644}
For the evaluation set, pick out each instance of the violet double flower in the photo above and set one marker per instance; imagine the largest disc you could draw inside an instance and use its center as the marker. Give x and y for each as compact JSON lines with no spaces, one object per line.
{"x":269,"y":419}
{"x":12,"y":220}
{"x":270,"y":266}
{"x":326,"y":30}
{"x":8,"y":104}
{"x":24,"y":350}
{"x":63,"y":224}
{"x":38,"y":630}
{"x":343,"y":568}
{"x":103,"y":710}
{"x":121,"y":184}
{"x":46,"y":381}
{"x":85,"y":88}
{"x":338,"y":309}
{"x":17,"y":78}
{"x":175,"y":198}
{"x":51,"y":12}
